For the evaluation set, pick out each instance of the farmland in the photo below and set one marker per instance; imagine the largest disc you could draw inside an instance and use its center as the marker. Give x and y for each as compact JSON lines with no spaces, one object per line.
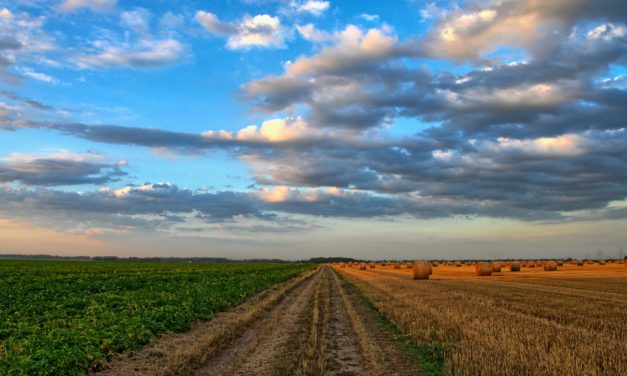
{"x":66,"y":317}
{"x":571,"y":321}
{"x":298,"y":319}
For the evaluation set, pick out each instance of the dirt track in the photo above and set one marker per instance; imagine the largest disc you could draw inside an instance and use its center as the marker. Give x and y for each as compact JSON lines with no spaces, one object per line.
{"x":315,"y":325}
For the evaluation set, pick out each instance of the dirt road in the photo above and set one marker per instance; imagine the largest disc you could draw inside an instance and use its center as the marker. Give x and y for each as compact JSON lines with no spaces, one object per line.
{"x":315,"y":325}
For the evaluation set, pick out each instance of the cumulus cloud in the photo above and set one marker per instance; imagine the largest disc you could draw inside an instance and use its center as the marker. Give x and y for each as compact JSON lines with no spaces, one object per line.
{"x":538,"y":137}
{"x":470,"y":32}
{"x":331,"y":83}
{"x":258,"y":31}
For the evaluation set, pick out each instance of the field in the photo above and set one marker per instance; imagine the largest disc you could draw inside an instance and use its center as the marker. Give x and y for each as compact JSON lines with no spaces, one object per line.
{"x":566,"y":322}
{"x":299,"y":319}
{"x":66,"y":317}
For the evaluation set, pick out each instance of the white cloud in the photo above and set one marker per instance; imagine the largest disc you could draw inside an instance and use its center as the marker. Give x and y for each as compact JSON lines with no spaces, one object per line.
{"x":274,"y":130}
{"x":353,"y":45}
{"x":259,"y":31}
{"x":137,"y":20}
{"x":369,"y":17}
{"x":213,"y":25}
{"x":565,"y":145}
{"x":147,"y":53}
{"x":98,"y":5}
{"x":311,"y":33}
{"x":39,"y":76}
{"x":124,"y":51}
{"x":6,"y":14}
{"x":313,"y":7}
{"x":607,"y":32}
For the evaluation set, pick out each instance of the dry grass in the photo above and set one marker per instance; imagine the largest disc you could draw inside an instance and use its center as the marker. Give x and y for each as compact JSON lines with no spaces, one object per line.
{"x":565,"y":322}
{"x":313,"y":357}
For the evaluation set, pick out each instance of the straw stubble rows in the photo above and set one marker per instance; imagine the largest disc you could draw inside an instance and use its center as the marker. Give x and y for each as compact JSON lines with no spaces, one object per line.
{"x":540,"y":323}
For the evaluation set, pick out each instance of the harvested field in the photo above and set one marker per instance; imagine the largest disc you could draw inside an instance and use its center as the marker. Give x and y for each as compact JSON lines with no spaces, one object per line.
{"x":565,"y":322}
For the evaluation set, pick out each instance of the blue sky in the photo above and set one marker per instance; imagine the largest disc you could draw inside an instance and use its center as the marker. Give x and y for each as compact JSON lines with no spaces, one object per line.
{"x":283,"y":128}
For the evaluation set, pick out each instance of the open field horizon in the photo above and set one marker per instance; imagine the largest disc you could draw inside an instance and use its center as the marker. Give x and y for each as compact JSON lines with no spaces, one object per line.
{"x":174,"y":318}
{"x":313,"y":187}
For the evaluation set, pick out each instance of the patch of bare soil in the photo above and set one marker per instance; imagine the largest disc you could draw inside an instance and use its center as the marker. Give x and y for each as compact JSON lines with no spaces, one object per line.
{"x":257,"y":349}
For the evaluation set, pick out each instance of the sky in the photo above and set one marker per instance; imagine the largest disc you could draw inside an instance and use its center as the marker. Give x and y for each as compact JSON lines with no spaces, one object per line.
{"x":303,"y":128}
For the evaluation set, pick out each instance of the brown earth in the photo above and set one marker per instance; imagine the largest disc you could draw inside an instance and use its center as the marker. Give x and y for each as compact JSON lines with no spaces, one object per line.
{"x":313,"y":325}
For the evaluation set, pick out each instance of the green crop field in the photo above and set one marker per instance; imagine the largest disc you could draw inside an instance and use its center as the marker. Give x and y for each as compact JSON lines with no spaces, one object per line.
{"x":67,"y":317}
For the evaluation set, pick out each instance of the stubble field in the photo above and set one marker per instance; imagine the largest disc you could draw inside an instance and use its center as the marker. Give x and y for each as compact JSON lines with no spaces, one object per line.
{"x":566,"y":322}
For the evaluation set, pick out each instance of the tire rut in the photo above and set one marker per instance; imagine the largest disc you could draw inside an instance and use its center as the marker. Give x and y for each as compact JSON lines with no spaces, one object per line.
{"x":256,"y":350}
{"x":345,"y":353}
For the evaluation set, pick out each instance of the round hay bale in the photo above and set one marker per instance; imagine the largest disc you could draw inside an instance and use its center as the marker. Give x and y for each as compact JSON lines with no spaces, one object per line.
{"x":579,"y":263}
{"x":458,"y":264}
{"x":435,"y":264}
{"x":550,"y":266}
{"x":343,"y":265}
{"x":515,"y":267}
{"x":362,"y":267}
{"x":601,"y":262}
{"x":397,"y":266}
{"x":560,"y":263}
{"x":531,"y":264}
{"x":372,"y":265}
{"x":496,"y":267}
{"x":421,"y":270}
{"x":483,"y":268}
{"x":409,"y":265}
